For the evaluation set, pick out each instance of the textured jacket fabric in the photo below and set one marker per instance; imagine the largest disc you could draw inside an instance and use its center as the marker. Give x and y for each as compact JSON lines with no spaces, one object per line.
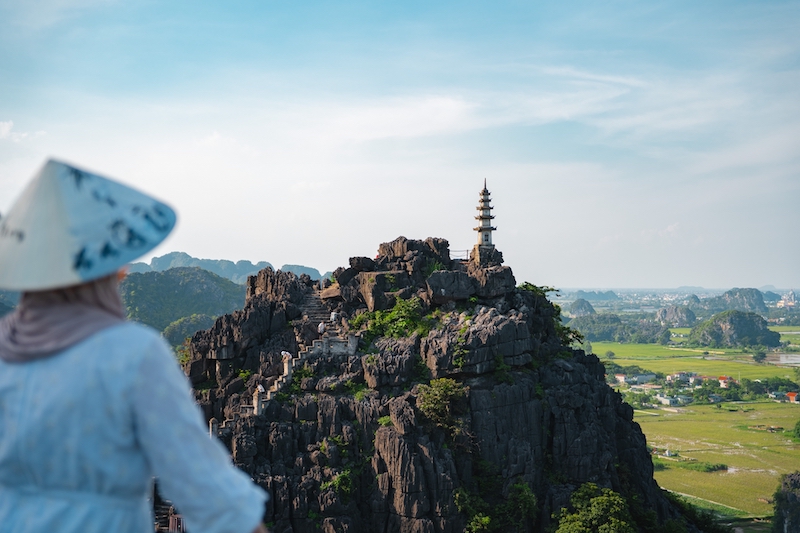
{"x":82,"y":434}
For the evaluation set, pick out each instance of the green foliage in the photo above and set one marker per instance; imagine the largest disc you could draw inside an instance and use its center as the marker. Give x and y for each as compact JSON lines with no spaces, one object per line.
{"x":504,"y":515}
{"x":542,"y":291}
{"x":787,"y":511}
{"x":501,"y":370}
{"x":796,"y":430}
{"x":245,"y":374}
{"x":342,"y":483}
{"x":430,"y":268}
{"x":435,"y":400}
{"x":596,"y":510}
{"x":185,"y":327}
{"x":404,"y":319}
{"x":160,"y":298}
{"x":182,"y":352}
{"x":697,"y":466}
{"x":304,"y":372}
{"x":565,"y":334}
{"x":385,"y":421}
{"x":358,"y":390}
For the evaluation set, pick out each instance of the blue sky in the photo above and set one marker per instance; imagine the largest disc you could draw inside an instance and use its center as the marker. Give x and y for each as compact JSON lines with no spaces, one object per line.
{"x":626,"y":144}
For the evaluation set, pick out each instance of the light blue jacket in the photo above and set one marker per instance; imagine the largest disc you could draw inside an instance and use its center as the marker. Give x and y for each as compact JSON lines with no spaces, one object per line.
{"x":82,"y":434}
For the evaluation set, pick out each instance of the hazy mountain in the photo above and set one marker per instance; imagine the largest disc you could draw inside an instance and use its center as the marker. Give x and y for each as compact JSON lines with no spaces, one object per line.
{"x":160,"y":298}
{"x":596,"y":296}
{"x":236,"y":272}
{"x":313,"y":273}
{"x":747,"y":300}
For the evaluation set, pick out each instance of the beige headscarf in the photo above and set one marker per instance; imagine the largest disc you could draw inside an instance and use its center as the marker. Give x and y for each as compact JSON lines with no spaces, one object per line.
{"x":47,"y":322}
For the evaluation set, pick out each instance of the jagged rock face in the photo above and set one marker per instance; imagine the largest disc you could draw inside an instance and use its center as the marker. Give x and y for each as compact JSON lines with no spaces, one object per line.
{"x":450,"y":285}
{"x":676,"y":317}
{"x":380,"y":290}
{"x":348,"y":447}
{"x":477,"y":345}
{"x":492,"y":281}
{"x":277,"y":286}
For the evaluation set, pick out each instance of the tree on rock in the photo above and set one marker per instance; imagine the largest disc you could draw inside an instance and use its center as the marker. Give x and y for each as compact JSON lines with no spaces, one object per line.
{"x":787,"y":505}
{"x":596,"y":510}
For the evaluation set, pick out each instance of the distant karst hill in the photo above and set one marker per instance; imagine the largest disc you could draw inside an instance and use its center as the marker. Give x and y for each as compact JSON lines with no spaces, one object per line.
{"x":4,"y":309}
{"x":160,"y":298}
{"x":236,"y":272}
{"x":581,"y":307}
{"x":731,"y":329}
{"x":746,"y":300}
{"x":676,"y":316}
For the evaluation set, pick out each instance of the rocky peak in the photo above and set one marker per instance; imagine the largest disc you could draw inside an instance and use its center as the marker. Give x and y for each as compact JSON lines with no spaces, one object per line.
{"x":461,"y":397}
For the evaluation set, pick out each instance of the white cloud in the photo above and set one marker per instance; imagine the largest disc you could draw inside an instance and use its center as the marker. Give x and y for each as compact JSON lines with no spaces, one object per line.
{"x":6,"y":132}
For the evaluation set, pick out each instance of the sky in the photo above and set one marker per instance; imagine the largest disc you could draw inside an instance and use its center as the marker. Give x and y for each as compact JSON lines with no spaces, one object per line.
{"x":625,"y":144}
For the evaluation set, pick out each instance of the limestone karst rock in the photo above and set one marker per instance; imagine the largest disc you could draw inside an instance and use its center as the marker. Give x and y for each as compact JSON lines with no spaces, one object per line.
{"x":346,"y":444}
{"x":676,"y":316}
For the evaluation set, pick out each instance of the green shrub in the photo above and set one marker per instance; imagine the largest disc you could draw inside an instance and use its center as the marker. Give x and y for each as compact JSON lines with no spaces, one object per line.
{"x":404,"y":319}
{"x":430,"y":268}
{"x":304,"y":372}
{"x":435,"y":400}
{"x":245,"y":374}
{"x":385,"y":421}
{"x":342,"y":483}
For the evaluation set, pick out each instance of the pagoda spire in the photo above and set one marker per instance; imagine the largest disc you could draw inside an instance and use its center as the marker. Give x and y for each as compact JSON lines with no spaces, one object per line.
{"x":484,"y":218}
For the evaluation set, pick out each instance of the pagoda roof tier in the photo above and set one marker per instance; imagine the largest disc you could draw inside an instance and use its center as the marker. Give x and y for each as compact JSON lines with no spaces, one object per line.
{"x":481,"y":208}
{"x":482,"y":228}
{"x":484,"y":217}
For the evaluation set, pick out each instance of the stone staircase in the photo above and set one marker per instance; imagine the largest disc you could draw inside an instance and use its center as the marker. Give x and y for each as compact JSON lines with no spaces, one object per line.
{"x":332,"y":342}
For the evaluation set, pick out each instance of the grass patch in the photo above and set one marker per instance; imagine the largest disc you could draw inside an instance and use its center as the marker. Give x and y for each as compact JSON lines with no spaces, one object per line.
{"x":707,"y":434}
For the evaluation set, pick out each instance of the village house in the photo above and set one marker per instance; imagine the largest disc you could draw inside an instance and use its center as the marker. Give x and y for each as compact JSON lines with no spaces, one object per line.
{"x":634,"y":379}
{"x":678,"y":377}
{"x":725,"y":382}
{"x":792,"y":397}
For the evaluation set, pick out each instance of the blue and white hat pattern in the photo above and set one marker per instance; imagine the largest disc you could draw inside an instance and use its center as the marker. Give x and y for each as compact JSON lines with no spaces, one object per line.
{"x":71,"y":226}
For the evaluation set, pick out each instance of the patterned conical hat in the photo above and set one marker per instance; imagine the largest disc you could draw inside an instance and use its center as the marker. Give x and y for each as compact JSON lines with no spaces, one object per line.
{"x":71,"y":226}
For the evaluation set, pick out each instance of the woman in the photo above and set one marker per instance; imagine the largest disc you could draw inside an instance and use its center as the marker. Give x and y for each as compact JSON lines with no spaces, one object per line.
{"x":93,"y":407}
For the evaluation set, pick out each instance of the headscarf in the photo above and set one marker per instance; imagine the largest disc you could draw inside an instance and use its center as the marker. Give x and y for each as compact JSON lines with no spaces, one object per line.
{"x":47,"y":322}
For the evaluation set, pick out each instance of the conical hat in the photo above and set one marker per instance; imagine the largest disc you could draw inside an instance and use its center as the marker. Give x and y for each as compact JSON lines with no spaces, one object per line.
{"x":71,"y":226}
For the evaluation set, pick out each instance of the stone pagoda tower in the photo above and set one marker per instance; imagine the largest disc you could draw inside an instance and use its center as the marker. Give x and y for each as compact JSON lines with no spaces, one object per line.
{"x":484,"y":252}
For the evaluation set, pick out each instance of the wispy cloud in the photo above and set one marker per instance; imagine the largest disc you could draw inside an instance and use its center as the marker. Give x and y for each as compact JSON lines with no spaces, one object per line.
{"x":7,"y":133}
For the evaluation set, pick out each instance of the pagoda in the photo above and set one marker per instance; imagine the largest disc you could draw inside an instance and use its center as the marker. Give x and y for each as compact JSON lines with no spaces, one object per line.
{"x":484,"y":252}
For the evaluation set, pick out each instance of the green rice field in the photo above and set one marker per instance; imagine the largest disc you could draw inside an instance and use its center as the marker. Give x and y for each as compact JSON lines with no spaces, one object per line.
{"x":657,"y":358}
{"x":755,"y":458}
